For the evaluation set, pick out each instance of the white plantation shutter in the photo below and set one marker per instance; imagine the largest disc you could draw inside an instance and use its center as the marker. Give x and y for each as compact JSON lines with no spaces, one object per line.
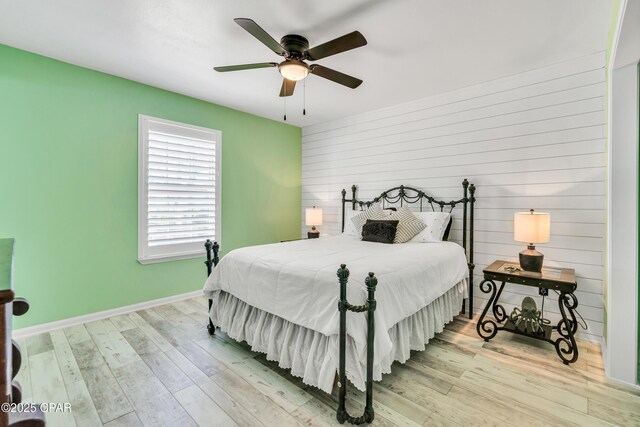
{"x":179,"y":182}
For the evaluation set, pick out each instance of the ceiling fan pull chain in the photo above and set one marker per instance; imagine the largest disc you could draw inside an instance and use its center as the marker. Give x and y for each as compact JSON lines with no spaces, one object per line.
{"x":285,"y":108}
{"x":304,"y":97}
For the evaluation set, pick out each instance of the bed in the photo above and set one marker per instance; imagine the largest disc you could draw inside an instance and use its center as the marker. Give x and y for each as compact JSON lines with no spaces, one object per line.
{"x":282,"y":298}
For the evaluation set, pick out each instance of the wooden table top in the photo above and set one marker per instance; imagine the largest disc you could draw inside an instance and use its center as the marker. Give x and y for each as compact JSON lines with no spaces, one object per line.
{"x":562,"y":279}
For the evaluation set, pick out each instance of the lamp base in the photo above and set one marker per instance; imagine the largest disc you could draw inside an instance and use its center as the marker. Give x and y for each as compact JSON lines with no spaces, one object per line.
{"x":313,"y":234}
{"x":531,"y":260}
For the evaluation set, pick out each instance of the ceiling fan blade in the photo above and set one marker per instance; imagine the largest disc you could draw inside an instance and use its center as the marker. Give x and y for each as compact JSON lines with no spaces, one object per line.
{"x":287,"y":87}
{"x":335,"y":46}
{"x":335,"y":76}
{"x":256,"y":31}
{"x":245,"y":66}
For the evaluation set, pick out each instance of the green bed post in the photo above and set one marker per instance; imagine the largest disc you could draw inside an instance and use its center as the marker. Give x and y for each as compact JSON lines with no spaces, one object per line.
{"x":370,"y":307}
{"x":371,"y":283}
{"x":343,"y":277}
{"x":211,"y":262}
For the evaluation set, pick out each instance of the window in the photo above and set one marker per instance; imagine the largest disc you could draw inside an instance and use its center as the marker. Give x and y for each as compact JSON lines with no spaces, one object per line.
{"x":178,"y":189}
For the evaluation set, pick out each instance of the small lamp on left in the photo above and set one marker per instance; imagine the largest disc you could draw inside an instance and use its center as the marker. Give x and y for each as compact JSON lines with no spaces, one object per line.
{"x":313,"y":217}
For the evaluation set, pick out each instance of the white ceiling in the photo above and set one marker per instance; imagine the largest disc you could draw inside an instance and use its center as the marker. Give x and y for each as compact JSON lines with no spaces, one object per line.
{"x":416,"y":48}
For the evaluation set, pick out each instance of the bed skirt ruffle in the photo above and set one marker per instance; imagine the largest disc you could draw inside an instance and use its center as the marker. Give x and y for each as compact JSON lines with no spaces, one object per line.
{"x":313,"y":356}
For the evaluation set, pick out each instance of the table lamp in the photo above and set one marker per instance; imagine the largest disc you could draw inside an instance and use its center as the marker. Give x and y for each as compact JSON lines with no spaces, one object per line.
{"x":313,"y":217}
{"x":531,"y":227}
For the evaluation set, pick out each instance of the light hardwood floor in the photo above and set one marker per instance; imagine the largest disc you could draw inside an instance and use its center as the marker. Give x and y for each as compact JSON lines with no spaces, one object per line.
{"x":160,"y":367}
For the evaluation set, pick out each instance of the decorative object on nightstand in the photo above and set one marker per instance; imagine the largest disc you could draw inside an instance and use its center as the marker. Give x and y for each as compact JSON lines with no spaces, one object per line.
{"x":313,"y":217}
{"x":529,"y":320}
{"x":529,"y":316}
{"x":531,"y":227}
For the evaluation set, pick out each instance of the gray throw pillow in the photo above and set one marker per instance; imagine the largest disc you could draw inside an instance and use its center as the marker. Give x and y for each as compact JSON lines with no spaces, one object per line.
{"x":373,"y":212}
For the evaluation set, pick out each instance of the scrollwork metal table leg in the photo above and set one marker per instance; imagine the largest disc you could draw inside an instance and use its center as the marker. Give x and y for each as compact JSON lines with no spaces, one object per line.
{"x":498,"y":311}
{"x":566,"y":344}
{"x":488,"y":328}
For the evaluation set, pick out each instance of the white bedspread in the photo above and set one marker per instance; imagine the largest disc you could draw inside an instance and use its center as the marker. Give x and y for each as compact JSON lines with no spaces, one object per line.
{"x":297,"y":281}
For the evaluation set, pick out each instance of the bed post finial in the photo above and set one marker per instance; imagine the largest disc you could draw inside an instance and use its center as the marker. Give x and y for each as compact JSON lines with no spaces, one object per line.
{"x":208,"y":245}
{"x":216,"y":250}
{"x":353,"y":197}
{"x":343,"y":273}
{"x":371,"y":281}
{"x":211,"y":261}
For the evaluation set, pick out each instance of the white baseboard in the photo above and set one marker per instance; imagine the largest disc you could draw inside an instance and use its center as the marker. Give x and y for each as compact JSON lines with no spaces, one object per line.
{"x":73,"y":321}
{"x":615,"y":380}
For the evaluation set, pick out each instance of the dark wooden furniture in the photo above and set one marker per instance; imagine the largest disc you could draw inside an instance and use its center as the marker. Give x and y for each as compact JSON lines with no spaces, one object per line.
{"x":10,"y":358}
{"x":398,"y":195}
{"x":562,"y":280}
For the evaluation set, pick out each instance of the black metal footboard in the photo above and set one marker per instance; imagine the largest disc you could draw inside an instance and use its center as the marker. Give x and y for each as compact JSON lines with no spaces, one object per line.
{"x":343,"y":307}
{"x":210,"y":263}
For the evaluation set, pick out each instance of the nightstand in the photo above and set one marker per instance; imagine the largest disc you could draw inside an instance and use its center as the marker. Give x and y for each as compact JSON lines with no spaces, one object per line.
{"x":562,"y":280}
{"x":293,"y":240}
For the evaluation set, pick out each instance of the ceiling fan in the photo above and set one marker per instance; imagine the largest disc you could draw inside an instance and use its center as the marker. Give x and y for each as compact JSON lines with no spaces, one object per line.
{"x":295,"y":50}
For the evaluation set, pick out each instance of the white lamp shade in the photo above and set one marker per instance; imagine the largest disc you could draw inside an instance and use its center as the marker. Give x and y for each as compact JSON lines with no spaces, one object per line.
{"x":531,"y":227}
{"x":313,"y":216}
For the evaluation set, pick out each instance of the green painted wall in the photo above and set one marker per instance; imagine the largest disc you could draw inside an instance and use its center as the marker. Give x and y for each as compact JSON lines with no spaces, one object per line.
{"x":68,"y":185}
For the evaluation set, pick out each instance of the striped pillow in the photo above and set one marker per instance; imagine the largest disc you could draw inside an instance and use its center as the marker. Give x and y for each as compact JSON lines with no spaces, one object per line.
{"x":408,"y":226}
{"x":373,"y":212}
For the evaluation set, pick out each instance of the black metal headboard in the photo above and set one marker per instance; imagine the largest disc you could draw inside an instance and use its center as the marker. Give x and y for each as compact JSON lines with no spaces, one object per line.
{"x":410,"y":195}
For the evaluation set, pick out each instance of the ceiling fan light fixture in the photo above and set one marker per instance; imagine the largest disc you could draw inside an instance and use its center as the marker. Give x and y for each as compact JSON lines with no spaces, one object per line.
{"x":295,"y":50}
{"x":293,"y":70}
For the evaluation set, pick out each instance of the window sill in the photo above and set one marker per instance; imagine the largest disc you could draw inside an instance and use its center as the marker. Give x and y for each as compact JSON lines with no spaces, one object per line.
{"x":175,"y":257}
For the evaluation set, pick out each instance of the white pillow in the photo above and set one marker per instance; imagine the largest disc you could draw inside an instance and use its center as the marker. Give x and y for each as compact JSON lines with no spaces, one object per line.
{"x":436,"y":224}
{"x":349,"y":228}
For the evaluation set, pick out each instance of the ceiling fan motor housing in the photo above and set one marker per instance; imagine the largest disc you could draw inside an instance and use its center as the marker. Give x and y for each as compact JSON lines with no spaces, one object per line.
{"x":295,"y":50}
{"x":294,"y":44}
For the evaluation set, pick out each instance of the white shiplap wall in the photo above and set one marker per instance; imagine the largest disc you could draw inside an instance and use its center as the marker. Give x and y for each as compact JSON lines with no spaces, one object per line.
{"x":533,"y":140}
